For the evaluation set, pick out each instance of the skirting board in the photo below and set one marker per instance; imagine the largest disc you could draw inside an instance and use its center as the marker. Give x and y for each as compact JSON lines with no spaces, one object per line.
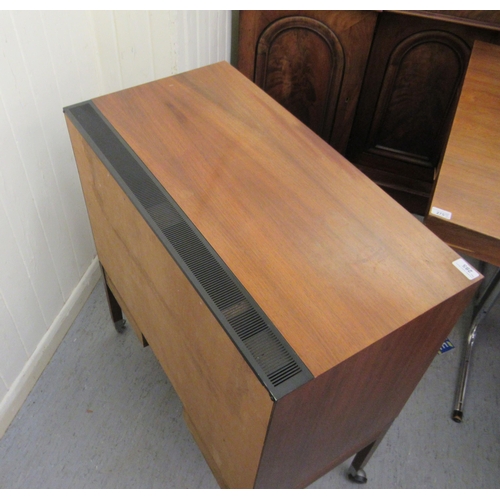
{"x":29,"y":375}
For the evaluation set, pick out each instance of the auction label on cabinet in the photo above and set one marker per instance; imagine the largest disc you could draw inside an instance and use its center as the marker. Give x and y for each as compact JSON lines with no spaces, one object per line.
{"x":465,"y":268}
{"x":441,"y":213}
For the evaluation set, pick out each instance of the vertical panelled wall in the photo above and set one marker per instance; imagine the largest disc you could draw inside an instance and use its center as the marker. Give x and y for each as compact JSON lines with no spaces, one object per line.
{"x":48,"y":60}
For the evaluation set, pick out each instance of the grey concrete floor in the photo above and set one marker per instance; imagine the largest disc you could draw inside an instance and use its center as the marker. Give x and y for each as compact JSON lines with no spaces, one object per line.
{"x":104,"y":415}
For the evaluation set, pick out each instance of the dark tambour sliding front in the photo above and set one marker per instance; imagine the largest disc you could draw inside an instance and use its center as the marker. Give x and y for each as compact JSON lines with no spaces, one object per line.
{"x":281,"y":309}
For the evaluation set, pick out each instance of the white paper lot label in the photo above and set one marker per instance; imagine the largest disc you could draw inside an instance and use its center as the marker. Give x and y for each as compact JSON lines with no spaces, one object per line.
{"x":439,"y":212}
{"x":466,"y":269}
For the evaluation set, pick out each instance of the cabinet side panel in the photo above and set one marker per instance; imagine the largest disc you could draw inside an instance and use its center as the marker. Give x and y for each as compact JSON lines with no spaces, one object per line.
{"x":334,"y":416}
{"x":225,"y":402}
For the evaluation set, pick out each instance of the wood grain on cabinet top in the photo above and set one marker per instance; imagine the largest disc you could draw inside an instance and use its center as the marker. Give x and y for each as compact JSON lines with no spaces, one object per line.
{"x":468,"y":187}
{"x":332,"y":260}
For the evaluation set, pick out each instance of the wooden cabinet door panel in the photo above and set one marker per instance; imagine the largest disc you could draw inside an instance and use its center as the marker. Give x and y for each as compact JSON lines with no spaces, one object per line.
{"x":408,"y":101}
{"x":311,"y":62}
{"x":418,"y":91}
{"x":300,"y":63}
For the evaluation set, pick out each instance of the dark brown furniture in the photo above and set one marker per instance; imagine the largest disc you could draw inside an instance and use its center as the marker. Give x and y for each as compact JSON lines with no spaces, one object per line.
{"x":465,"y":206}
{"x":380,"y":87}
{"x":293,"y":305}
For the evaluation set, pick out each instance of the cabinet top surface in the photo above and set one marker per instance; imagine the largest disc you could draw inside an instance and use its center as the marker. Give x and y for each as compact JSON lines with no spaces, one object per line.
{"x":469,"y":180}
{"x":332,"y":260}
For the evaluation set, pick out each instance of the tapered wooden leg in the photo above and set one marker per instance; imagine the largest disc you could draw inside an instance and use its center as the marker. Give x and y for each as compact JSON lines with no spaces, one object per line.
{"x":114,"y":308}
{"x":356,"y":472}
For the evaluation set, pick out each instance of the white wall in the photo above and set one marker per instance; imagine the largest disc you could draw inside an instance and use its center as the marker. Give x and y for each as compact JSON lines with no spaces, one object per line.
{"x":51,"y":59}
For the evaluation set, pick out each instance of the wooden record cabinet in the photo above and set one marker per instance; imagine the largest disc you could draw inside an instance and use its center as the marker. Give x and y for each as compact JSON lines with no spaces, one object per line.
{"x":293,"y":305}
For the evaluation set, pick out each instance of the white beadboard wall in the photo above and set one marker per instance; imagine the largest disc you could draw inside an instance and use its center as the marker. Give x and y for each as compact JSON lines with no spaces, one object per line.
{"x":48,"y":60}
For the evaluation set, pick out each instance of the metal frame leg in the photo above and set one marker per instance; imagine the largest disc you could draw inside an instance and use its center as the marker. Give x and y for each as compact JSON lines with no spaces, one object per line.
{"x":486,"y":301}
{"x":356,"y":472}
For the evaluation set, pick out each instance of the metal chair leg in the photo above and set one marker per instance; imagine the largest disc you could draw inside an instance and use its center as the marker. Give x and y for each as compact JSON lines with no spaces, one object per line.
{"x":485,"y":303}
{"x":464,"y":374}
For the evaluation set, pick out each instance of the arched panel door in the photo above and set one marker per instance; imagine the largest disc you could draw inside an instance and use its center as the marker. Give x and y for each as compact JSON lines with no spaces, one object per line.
{"x":312,"y":62}
{"x":407,"y":103}
{"x":300,"y":63}
{"x":418,"y":92}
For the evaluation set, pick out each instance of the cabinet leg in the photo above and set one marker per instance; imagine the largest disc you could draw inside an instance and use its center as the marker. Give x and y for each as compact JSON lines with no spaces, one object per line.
{"x":356,"y":472}
{"x":114,"y":308}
